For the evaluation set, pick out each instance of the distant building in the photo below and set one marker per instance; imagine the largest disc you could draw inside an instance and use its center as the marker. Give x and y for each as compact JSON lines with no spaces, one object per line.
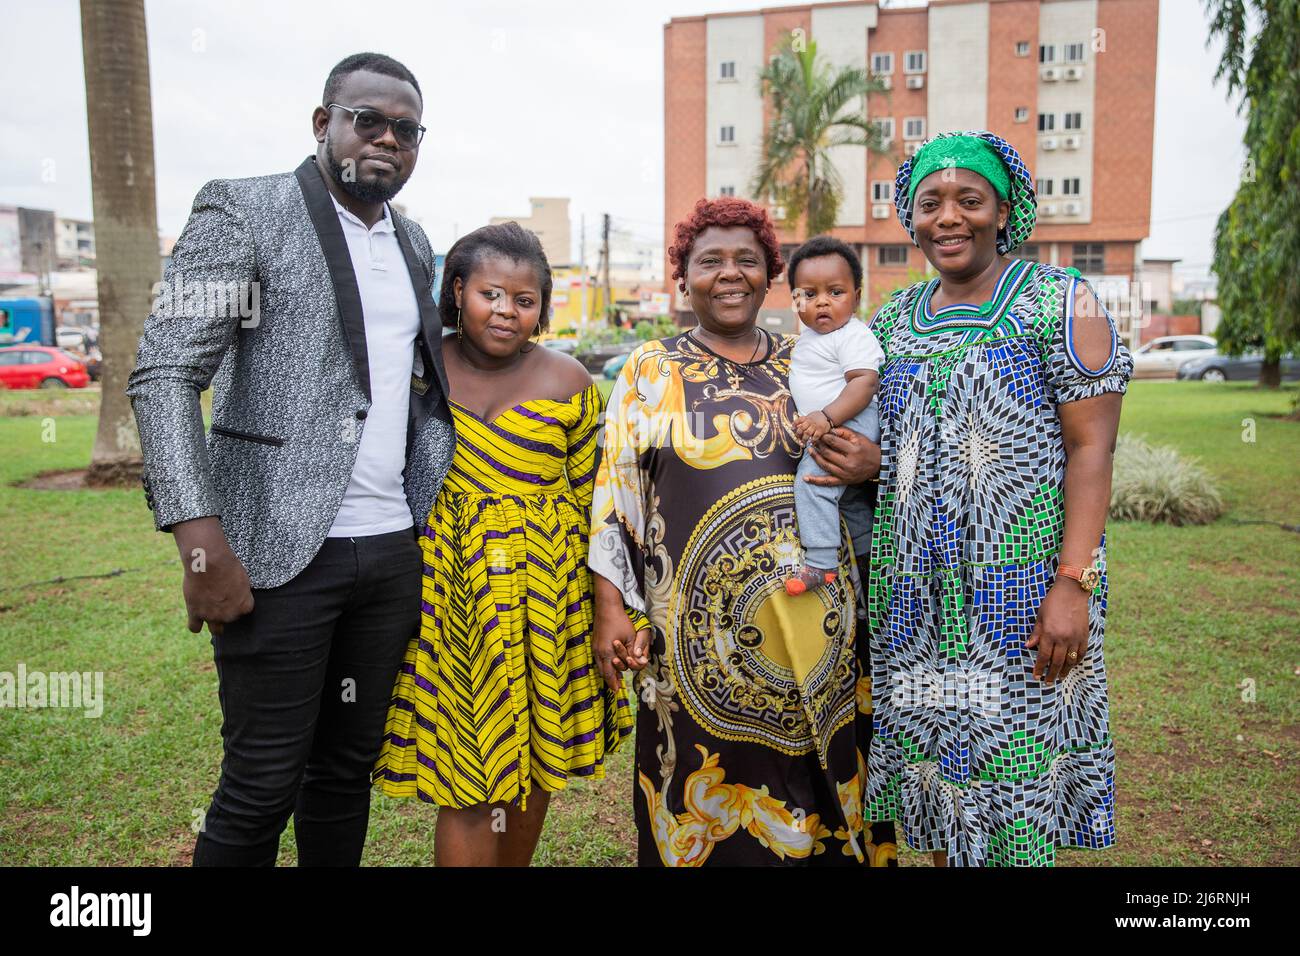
{"x":572,"y":299}
{"x":632,"y":259}
{"x":27,"y":246}
{"x":36,"y":240}
{"x":75,"y":243}
{"x":1158,"y":284}
{"x":1069,"y":83}
{"x":550,"y":221}
{"x":11,"y":252}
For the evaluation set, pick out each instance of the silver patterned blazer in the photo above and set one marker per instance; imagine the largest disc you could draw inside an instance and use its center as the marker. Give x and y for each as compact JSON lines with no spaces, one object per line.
{"x":260,"y":301}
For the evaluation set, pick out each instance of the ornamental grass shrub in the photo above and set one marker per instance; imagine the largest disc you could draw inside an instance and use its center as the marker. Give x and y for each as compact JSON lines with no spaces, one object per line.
{"x":1154,"y":483}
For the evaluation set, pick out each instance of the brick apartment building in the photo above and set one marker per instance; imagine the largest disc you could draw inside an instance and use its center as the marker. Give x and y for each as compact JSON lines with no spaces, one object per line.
{"x":1070,"y":83}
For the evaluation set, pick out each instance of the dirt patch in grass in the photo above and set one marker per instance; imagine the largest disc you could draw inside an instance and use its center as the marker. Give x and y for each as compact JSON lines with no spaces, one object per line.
{"x":69,"y":479}
{"x":112,"y":475}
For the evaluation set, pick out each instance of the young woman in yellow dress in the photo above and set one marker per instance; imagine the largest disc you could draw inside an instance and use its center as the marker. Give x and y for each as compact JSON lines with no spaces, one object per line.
{"x":498,"y":702}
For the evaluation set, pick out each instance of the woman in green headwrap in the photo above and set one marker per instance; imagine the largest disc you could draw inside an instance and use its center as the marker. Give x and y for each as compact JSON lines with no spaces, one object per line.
{"x":999,"y":404}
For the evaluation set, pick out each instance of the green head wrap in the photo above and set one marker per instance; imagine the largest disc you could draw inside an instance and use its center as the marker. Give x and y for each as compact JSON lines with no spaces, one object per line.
{"x":964,"y":152}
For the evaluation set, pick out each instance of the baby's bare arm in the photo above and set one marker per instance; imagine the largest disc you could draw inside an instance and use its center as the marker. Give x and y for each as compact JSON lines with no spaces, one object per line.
{"x":859,"y":389}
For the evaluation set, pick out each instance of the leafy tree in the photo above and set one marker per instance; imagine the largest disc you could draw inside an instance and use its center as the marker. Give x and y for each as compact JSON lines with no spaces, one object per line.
{"x":1257,"y":239}
{"x":815,"y":108}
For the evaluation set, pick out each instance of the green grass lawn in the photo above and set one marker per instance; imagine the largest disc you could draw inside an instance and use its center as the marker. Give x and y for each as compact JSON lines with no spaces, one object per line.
{"x":1198,"y":616}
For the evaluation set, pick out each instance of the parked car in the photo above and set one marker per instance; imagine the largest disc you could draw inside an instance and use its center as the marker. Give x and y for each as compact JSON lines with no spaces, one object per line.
{"x":1160,"y":358}
{"x":39,"y":366}
{"x":594,"y":360}
{"x":1223,"y":368}
{"x":567,"y":344}
{"x":71,"y":338}
{"x":615,"y":365}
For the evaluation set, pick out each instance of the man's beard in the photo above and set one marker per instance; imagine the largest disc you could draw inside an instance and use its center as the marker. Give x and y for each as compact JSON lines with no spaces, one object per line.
{"x":372,"y":191}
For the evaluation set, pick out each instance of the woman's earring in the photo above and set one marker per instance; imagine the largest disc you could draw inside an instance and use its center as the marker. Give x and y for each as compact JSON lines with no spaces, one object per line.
{"x":459,"y":335}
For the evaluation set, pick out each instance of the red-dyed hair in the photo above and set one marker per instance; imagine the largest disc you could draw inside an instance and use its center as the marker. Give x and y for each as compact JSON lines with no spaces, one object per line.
{"x":724,"y":211}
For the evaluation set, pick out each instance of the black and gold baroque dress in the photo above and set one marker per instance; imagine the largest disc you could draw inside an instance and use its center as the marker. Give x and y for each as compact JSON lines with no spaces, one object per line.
{"x":754,"y":714}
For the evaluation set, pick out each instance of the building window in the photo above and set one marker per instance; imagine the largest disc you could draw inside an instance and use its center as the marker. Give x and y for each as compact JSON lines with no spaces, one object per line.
{"x":882,"y":190}
{"x":1043,"y":187}
{"x":885,"y":127}
{"x":914,"y":127}
{"x":1029,"y":252}
{"x":1090,"y":257}
{"x":1046,"y":122}
{"x":727,"y":70}
{"x":1022,"y":48}
{"x":1046,"y":53}
{"x":1074,"y":121}
{"x":1074,"y":53}
{"x":891,"y":255}
{"x":726,"y":190}
{"x":1070,"y":187}
{"x":1022,"y":114}
{"x":915,"y":62}
{"x":882,"y":63}
{"x":727,"y":134}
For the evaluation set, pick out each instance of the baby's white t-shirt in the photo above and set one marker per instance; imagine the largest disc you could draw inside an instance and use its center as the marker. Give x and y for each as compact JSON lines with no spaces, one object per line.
{"x":820,"y":359}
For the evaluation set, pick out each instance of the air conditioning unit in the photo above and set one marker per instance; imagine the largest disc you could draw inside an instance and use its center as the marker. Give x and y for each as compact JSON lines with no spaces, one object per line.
{"x":916,"y":82}
{"x":911,"y":149}
{"x":1071,"y":142}
{"x":1072,"y":208}
{"x":1074,"y":72}
{"x":1048,"y":143}
{"x":1047,"y":209}
{"x":779,"y":213}
{"x":887,"y":143}
{"x":1050,"y":73}
{"x":885,"y":80}
{"x":880,"y":210}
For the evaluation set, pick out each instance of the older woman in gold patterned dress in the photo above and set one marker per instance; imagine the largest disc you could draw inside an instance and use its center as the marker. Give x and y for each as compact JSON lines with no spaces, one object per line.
{"x":754,"y":714}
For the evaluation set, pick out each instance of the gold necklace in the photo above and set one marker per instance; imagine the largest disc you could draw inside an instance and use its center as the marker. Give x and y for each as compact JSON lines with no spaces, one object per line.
{"x":758,"y":335}
{"x":734,"y":378}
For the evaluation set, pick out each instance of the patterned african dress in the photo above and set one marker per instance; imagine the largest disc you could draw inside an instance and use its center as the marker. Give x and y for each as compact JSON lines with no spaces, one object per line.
{"x":752,"y":719}
{"x":972,"y":754}
{"x":498,"y":694}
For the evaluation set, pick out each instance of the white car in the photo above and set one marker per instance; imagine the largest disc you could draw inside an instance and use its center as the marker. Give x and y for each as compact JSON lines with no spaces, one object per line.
{"x":1160,"y":358}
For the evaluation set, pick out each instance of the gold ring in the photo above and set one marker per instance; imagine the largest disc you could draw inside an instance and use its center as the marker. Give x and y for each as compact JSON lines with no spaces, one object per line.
{"x":1073,"y":655}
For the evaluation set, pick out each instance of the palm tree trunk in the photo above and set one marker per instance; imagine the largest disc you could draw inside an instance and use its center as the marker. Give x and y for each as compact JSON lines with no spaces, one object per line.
{"x":120,"y":121}
{"x":810,"y":206}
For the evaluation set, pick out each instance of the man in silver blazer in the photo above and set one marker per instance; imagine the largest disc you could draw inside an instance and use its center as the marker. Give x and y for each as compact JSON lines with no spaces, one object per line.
{"x":306,"y":303}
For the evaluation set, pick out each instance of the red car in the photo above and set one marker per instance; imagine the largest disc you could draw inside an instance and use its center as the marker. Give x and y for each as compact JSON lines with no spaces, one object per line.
{"x":39,"y":366}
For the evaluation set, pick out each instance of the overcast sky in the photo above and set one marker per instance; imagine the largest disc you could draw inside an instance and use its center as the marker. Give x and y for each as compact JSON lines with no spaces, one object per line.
{"x":558,"y":98}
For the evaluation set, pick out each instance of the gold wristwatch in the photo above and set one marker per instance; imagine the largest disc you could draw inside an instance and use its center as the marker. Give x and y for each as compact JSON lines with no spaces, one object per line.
{"x":1088,"y":578}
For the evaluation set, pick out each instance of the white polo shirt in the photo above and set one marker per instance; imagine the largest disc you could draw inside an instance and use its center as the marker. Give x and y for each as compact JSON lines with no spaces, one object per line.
{"x":374,"y":502}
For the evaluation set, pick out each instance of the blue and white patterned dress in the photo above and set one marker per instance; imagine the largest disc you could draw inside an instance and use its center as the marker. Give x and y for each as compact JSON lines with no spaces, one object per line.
{"x":972,"y":755}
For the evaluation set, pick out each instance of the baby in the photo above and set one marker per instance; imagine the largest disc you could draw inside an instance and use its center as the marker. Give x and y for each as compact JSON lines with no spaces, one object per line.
{"x":833,"y":379}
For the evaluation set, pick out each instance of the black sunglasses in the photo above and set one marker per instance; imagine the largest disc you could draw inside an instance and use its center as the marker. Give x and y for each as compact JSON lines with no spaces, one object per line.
{"x":370,"y":125}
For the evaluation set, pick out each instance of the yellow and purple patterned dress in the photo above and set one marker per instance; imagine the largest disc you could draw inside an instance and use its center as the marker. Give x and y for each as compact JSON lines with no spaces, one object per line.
{"x":754,"y":716}
{"x":499,"y":693}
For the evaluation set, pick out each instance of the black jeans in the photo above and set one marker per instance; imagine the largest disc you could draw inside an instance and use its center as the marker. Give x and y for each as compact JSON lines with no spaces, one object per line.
{"x":305,"y":684}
